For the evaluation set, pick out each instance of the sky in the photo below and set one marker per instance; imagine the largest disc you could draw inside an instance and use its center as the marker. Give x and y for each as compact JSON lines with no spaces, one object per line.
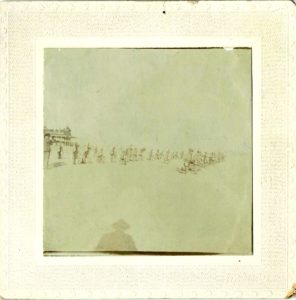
{"x":160,"y":98}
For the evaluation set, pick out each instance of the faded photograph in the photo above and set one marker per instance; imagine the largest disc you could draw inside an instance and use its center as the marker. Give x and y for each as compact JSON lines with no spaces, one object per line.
{"x":147,"y":151}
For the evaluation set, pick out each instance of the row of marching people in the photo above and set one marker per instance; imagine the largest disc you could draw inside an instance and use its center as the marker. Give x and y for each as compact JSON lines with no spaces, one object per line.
{"x":98,"y":155}
{"x":132,"y":154}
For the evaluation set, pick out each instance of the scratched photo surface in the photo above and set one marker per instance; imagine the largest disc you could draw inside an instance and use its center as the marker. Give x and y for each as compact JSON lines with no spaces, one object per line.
{"x":147,"y":151}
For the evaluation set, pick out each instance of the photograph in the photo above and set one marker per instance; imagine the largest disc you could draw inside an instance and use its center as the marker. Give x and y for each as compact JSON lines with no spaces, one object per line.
{"x":147,"y":151}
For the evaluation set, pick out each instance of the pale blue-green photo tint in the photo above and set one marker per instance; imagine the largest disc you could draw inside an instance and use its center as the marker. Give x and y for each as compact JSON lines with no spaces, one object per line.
{"x":147,"y":151}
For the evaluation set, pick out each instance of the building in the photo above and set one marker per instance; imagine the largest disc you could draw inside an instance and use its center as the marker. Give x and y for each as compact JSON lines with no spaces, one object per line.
{"x":60,"y":136}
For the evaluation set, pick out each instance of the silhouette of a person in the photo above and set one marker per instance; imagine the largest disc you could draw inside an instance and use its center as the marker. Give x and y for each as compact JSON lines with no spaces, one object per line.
{"x":117,"y":240}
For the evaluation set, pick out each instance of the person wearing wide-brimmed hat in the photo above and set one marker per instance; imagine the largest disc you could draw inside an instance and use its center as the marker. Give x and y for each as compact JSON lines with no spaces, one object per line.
{"x":117,"y":240}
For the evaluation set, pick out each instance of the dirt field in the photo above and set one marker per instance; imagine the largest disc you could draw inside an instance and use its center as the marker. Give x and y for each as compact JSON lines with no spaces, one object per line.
{"x":210,"y":211}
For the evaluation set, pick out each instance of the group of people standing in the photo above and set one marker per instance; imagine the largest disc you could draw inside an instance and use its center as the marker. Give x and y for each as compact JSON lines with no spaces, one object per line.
{"x":191,"y":159}
{"x":94,"y":154}
{"x":48,"y":147}
{"x":194,"y":161}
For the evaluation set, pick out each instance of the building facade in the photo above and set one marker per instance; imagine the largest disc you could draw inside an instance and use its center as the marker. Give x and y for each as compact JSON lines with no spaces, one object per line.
{"x":60,"y":136}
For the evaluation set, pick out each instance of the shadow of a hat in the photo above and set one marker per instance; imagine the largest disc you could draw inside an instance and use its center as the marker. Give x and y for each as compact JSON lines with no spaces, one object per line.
{"x":120,"y":225}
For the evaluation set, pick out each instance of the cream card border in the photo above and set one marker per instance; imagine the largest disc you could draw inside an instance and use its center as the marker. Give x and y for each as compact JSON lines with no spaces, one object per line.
{"x":268,"y":27}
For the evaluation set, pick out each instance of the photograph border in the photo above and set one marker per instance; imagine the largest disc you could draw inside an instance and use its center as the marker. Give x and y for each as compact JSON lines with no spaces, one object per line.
{"x":149,"y":43}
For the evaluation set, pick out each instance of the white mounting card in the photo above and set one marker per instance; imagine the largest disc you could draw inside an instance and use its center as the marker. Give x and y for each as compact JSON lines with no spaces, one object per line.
{"x":162,"y":74}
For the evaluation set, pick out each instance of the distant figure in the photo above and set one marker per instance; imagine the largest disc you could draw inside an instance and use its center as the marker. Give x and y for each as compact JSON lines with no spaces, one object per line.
{"x":135,"y":154}
{"x":123,"y":156}
{"x":129,"y":153}
{"x":113,"y":155}
{"x":75,"y":154}
{"x":212,"y":158}
{"x":88,"y":151}
{"x":206,"y":159}
{"x":166,"y":157}
{"x":150,"y":157}
{"x":101,"y":156}
{"x":117,"y":240}
{"x":183,"y":169}
{"x":188,"y":167}
{"x":46,"y":149}
{"x":95,"y":153}
{"x":141,"y":154}
{"x":157,"y":154}
{"x":188,"y":156}
{"x":85,"y":155}
{"x":60,"y":152}
{"x":197,"y":158}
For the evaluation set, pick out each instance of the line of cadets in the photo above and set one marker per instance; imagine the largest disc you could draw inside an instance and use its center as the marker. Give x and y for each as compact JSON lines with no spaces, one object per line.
{"x":132,"y":154}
